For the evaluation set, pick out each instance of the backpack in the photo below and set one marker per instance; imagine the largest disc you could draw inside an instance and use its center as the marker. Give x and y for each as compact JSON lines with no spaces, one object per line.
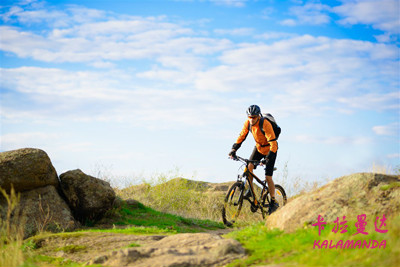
{"x":271,"y":119}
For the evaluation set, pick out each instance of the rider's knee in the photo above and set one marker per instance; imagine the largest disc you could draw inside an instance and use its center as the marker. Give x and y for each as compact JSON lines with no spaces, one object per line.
{"x":251,"y":167}
{"x":268,"y":178}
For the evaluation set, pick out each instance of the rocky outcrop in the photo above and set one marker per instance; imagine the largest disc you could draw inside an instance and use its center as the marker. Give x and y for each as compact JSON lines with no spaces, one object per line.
{"x":26,"y":169}
{"x":42,"y":209}
{"x":363,"y":193}
{"x":44,"y":204}
{"x":178,"y":250}
{"x":88,"y":197}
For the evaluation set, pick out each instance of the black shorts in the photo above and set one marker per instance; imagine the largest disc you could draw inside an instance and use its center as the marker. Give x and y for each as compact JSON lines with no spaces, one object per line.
{"x":269,"y":168}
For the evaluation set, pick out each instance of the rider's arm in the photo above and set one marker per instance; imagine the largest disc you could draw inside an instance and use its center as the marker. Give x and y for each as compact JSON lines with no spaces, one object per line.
{"x":270,"y":135}
{"x":243,"y":134}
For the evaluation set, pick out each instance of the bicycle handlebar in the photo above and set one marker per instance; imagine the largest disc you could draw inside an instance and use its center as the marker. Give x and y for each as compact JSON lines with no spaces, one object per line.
{"x":247,"y":161}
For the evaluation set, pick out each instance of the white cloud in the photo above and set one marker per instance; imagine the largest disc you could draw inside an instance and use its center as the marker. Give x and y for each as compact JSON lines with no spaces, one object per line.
{"x":114,"y":96}
{"x":392,"y":129}
{"x":185,"y":63}
{"x":306,"y":72}
{"x":290,"y":69}
{"x":289,"y":22}
{"x":35,"y":12}
{"x":310,"y":14}
{"x":235,"y":32}
{"x":276,"y":35}
{"x":233,"y":3}
{"x":376,"y":101}
{"x":103,"y":64}
{"x":112,"y":40}
{"x":382,"y":15}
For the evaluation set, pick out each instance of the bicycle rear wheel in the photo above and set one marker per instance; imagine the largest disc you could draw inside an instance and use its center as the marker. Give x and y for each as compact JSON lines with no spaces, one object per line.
{"x":233,"y":203}
{"x":280,"y":196}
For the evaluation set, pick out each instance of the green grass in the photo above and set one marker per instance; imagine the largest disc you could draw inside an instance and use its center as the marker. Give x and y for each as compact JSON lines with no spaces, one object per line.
{"x":133,"y":245}
{"x":151,"y":220}
{"x":276,"y":247}
{"x":390,"y":186}
{"x":71,"y":248}
{"x":177,"y":196}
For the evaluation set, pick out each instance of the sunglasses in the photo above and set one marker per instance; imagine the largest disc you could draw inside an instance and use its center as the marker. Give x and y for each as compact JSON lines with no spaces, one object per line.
{"x":253,"y":117}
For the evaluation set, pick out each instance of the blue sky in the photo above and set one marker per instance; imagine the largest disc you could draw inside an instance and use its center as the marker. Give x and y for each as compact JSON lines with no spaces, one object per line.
{"x":136,"y":88}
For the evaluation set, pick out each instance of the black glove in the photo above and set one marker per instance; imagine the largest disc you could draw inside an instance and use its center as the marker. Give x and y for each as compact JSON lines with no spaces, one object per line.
{"x":235,"y":147}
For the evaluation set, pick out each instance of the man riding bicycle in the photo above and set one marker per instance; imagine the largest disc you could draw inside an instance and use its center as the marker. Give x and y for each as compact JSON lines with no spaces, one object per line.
{"x":266,"y":148}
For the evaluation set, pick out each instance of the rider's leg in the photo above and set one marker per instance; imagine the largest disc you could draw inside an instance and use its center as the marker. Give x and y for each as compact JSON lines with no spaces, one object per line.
{"x":255,"y":155}
{"x":269,"y":170}
{"x":251,"y":168}
{"x":273,"y":205}
{"x":271,"y":186}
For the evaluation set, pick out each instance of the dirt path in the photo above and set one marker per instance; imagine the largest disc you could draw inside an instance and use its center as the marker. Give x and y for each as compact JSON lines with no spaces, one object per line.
{"x":83,"y":246}
{"x":115,"y":249}
{"x":221,"y":232}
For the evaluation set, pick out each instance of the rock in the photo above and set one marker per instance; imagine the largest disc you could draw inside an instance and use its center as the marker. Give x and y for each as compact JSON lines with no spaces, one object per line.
{"x":178,"y":250}
{"x":41,"y":209}
{"x":26,"y":169}
{"x":88,"y":197}
{"x":361,"y":193}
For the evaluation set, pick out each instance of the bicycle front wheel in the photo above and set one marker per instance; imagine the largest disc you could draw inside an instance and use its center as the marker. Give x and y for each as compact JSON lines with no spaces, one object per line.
{"x":233,"y":203}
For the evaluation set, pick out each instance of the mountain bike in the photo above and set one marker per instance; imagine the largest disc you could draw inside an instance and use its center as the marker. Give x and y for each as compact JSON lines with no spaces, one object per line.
{"x":235,"y":204}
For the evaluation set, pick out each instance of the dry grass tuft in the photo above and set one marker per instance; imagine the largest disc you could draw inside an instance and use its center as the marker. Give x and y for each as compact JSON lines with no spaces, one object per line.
{"x":11,"y":233}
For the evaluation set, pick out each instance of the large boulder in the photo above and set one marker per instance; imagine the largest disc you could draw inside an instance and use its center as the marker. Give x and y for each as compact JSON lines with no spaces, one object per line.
{"x":26,"y":169}
{"x":362,"y":193}
{"x":88,"y":197}
{"x":38,"y":210}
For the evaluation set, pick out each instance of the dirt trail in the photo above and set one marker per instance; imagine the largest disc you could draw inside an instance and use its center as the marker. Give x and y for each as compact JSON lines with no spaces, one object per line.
{"x":115,"y":249}
{"x":84,"y":246}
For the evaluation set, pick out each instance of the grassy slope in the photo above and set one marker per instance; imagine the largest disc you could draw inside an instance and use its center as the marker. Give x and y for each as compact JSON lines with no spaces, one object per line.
{"x":140,"y":215}
{"x":296,"y":249}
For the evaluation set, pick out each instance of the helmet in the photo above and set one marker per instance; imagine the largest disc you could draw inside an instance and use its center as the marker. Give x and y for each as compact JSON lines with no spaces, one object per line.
{"x":253,"y":110}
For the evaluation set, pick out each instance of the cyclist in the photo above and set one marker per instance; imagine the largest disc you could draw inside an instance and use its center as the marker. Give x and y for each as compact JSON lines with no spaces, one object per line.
{"x":266,"y":148}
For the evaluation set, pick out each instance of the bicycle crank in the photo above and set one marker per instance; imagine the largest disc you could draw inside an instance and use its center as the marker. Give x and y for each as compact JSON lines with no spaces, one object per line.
{"x":253,"y":208}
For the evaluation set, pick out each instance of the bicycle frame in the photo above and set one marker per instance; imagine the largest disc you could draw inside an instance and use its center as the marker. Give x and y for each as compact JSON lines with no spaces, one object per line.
{"x":247,"y":172}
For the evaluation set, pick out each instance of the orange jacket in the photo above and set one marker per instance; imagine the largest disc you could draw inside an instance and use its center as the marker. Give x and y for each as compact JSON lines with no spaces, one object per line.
{"x":262,"y":143}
